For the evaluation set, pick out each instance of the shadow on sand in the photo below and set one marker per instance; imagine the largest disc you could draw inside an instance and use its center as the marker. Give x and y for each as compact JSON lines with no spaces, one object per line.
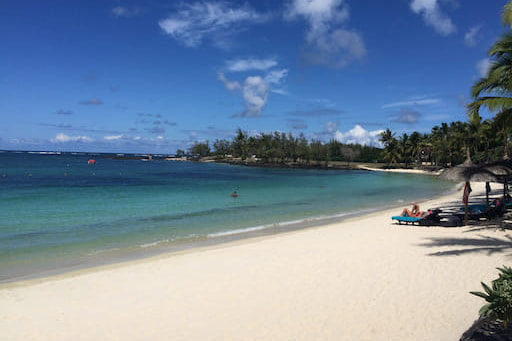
{"x":469,"y":242}
{"x":476,"y":244}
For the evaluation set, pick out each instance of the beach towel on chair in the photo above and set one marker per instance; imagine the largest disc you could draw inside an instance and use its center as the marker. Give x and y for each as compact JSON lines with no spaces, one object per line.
{"x":406,"y":219}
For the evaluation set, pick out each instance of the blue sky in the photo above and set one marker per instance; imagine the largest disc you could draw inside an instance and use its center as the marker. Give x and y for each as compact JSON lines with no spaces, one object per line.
{"x":154,"y":76}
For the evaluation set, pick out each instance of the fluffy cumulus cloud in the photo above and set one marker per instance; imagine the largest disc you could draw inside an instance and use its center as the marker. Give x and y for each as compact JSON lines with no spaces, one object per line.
{"x":213,"y":22}
{"x":255,"y":92}
{"x":359,"y":135}
{"x":327,"y":42}
{"x":255,"y":89}
{"x":63,"y":138}
{"x":433,"y":16}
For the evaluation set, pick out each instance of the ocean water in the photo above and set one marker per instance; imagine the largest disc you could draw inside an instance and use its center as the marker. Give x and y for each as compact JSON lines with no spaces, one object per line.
{"x":58,"y":212}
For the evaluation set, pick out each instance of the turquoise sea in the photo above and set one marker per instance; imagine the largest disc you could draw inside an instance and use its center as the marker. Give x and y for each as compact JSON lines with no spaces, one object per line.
{"x":58,"y":213}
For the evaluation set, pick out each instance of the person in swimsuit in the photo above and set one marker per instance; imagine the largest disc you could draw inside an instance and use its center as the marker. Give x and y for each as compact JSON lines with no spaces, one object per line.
{"x":414,"y":212}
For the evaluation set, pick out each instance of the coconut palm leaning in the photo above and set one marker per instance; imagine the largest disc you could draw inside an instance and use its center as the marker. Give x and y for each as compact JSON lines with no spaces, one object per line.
{"x":494,"y":91}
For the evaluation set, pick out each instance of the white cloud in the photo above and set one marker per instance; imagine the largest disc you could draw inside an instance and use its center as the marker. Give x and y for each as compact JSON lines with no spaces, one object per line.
{"x":215,"y":22}
{"x":318,"y":12}
{"x":255,"y":90}
{"x":433,"y":16}
{"x":327,"y":43}
{"x":275,"y":76}
{"x":424,"y":101}
{"x":230,"y":85}
{"x":482,"y":66}
{"x":471,"y":35}
{"x":255,"y":93}
{"x":237,"y":65}
{"x":359,"y":135}
{"x":63,"y":138}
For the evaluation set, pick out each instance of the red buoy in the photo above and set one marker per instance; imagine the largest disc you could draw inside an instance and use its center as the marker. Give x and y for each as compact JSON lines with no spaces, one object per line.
{"x":91,"y":162}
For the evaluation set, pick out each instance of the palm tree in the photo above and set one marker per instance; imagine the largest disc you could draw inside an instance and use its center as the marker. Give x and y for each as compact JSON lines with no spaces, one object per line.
{"x":391,"y":148}
{"x":240,"y":144}
{"x":415,"y":141}
{"x":386,"y":137}
{"x":391,"y":152}
{"x":494,"y":91}
{"x":404,"y":145}
{"x":485,"y":136}
{"x":503,"y":124}
{"x":473,"y":131}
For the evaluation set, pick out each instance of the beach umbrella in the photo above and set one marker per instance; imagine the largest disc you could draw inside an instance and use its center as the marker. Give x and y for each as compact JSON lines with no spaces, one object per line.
{"x":468,"y":172}
{"x":459,"y":173}
{"x":501,"y":170}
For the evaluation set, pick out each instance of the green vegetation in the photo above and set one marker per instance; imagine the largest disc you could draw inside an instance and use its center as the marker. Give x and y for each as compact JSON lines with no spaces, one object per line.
{"x":281,"y":148}
{"x":498,"y":297}
{"x":446,"y":145}
{"x":494,"y":93}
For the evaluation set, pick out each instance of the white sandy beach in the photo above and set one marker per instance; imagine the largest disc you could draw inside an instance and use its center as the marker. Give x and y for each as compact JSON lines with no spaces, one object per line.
{"x":399,"y":170}
{"x":361,"y":279}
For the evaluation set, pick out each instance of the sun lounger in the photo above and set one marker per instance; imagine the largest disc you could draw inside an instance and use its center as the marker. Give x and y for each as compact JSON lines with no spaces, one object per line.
{"x":401,"y":219}
{"x":432,"y":218}
{"x":481,"y":211}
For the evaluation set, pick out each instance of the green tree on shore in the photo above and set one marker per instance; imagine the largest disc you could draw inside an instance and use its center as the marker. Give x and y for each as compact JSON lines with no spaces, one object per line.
{"x":494,"y":91}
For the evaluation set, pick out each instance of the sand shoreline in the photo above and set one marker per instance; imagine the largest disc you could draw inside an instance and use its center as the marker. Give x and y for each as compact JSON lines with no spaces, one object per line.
{"x":360,"y":279}
{"x":64,"y":266}
{"x":399,"y":170}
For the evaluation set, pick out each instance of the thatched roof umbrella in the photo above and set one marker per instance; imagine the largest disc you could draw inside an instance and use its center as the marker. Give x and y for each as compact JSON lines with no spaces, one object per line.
{"x":468,"y":172}
{"x":460,"y":172}
{"x":501,"y":170}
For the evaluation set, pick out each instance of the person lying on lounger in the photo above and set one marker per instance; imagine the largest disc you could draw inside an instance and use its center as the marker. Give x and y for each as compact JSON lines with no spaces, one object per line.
{"x":414,"y":212}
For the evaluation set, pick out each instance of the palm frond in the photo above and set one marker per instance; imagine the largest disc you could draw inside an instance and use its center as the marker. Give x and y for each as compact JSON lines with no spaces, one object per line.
{"x":494,"y":104}
{"x":502,"y":46}
{"x":497,"y":79}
